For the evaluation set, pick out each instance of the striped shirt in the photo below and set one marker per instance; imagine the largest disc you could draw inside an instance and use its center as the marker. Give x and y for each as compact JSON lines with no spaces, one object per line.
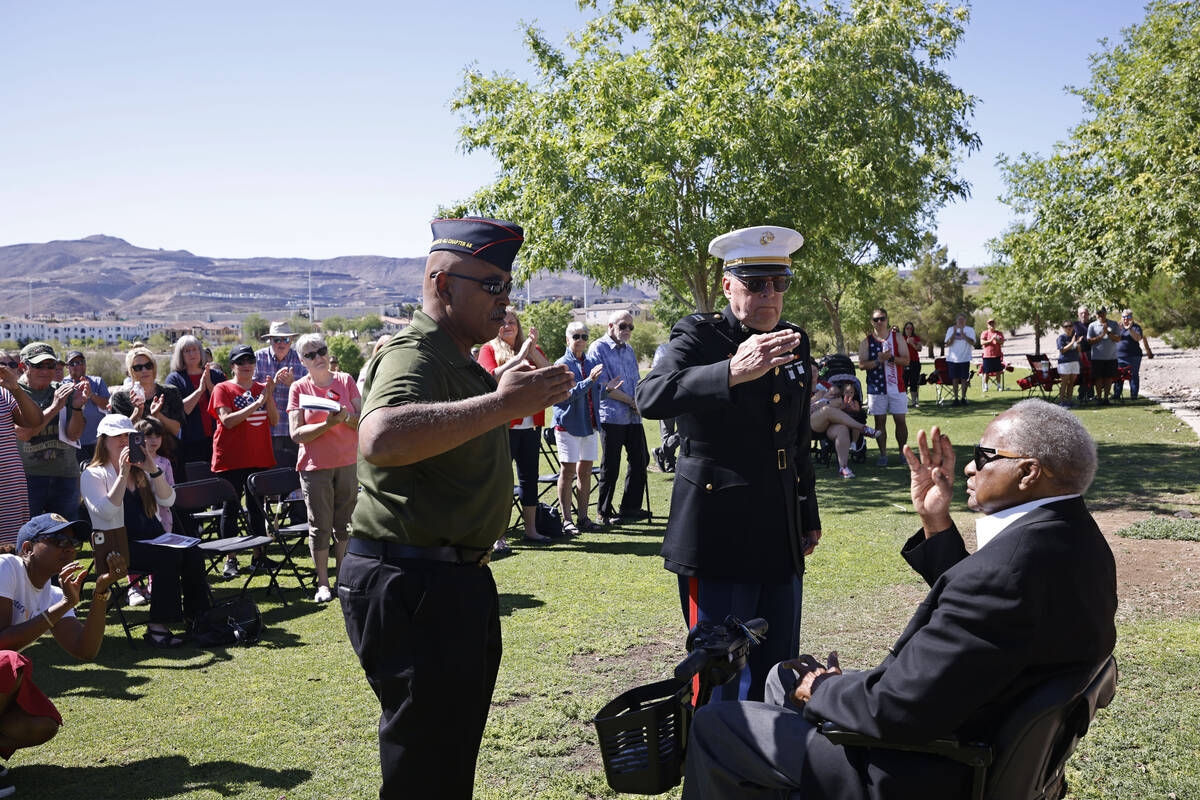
{"x":14,"y":498}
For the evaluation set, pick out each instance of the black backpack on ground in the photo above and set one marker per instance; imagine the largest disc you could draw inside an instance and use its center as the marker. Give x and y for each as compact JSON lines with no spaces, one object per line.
{"x":835,"y":364}
{"x":235,"y":621}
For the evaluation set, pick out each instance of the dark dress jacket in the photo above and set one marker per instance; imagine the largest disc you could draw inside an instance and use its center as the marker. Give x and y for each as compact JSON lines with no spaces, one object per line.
{"x":744,"y":493}
{"x":1038,"y":601}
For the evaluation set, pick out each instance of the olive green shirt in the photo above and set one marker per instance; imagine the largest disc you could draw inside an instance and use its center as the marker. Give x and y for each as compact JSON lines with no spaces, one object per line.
{"x":461,"y":497}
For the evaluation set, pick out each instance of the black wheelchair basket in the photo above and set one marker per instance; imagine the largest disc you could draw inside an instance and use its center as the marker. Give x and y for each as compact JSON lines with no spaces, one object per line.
{"x":643,"y":732}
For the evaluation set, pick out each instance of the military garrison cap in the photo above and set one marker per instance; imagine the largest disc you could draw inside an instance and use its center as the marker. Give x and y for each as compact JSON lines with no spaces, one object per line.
{"x":763,"y":250}
{"x":493,"y":240}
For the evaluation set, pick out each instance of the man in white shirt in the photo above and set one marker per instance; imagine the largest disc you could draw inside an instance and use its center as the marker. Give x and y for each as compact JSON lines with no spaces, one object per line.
{"x":960,"y":343}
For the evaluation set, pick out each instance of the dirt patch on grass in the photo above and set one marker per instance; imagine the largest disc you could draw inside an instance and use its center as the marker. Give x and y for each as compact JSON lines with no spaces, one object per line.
{"x":1155,"y":577}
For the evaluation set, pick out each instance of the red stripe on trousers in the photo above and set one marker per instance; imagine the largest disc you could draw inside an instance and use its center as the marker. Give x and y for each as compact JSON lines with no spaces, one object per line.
{"x":693,"y":618}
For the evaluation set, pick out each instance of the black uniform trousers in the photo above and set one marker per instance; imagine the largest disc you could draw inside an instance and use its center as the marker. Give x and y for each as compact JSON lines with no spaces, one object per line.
{"x":614,"y":438}
{"x":427,"y":634}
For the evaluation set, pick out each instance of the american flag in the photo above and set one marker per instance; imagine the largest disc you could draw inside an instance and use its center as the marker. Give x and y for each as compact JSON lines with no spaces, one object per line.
{"x":258,"y":417}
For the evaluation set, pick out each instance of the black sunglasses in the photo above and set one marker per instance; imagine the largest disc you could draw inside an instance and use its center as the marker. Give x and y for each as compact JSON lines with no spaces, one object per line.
{"x":145,"y":365}
{"x":244,"y":360}
{"x":579,"y":337}
{"x":58,"y":539}
{"x":280,"y":339}
{"x":79,"y":362}
{"x":986,"y":455}
{"x":11,"y":364}
{"x":879,"y":319}
{"x":756,"y":285}
{"x":624,"y":326}
{"x":490,"y":285}
{"x":316,"y":353}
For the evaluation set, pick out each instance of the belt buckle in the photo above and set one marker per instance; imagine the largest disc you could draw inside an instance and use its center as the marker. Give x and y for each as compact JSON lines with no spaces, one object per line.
{"x":483,"y":559}
{"x":781,"y":458}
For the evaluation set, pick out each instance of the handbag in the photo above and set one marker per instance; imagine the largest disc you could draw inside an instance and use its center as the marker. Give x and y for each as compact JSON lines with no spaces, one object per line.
{"x":549,"y":521}
{"x":235,"y":621}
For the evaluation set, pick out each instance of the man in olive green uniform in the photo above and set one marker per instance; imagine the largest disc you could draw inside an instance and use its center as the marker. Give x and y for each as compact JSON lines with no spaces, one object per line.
{"x":420,"y":604}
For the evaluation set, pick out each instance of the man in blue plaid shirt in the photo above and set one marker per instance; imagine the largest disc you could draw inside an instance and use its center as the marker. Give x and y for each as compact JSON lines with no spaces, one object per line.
{"x":268,"y":361}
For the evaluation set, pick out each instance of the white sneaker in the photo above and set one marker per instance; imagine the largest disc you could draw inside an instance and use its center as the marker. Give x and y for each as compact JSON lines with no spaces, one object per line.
{"x":985,"y":387}
{"x":231,"y":568}
{"x":323,"y":594}
{"x":136,"y":598}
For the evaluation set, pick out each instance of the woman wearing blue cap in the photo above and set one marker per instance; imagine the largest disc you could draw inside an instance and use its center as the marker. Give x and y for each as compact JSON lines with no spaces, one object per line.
{"x":30,"y":605}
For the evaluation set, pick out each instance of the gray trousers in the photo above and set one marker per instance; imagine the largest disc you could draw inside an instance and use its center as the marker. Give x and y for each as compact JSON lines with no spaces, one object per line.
{"x":749,"y":750}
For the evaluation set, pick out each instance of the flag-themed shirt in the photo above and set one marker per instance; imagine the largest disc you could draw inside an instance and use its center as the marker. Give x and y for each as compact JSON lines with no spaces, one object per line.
{"x":246,"y":445}
{"x":886,"y":377}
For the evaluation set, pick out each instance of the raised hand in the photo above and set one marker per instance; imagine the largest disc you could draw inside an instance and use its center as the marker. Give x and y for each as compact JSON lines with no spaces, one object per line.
{"x":70,"y":580}
{"x":156,"y":404}
{"x":526,"y":390}
{"x":595,"y":373}
{"x":932,"y":479}
{"x":760,"y":353}
{"x":8,"y":378}
{"x":284,"y":376}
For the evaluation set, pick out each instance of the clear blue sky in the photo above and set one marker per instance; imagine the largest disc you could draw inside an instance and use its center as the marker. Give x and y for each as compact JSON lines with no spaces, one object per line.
{"x":314,"y":129}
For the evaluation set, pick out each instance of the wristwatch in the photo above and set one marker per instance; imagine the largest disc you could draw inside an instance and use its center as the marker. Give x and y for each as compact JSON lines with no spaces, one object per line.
{"x":154,"y":474}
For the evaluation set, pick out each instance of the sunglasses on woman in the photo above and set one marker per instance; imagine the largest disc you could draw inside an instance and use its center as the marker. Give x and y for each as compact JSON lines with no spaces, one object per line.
{"x":142,"y":367}
{"x":316,"y":353}
{"x":579,"y":337}
{"x":244,"y":360}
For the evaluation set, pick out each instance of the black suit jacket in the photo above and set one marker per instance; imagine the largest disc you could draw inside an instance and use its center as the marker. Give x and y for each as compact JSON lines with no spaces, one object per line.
{"x":1037,"y":601}
{"x":744,"y":494}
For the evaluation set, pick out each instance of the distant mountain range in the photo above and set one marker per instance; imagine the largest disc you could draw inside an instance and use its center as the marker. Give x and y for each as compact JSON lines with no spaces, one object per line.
{"x":106,"y":275}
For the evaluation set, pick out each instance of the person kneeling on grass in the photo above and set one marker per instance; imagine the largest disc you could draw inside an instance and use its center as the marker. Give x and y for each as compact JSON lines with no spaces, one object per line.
{"x":30,"y":605}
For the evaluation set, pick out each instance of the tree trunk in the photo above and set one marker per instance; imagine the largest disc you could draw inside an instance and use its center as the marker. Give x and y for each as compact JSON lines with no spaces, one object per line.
{"x":835,"y":320}
{"x":1037,"y":334}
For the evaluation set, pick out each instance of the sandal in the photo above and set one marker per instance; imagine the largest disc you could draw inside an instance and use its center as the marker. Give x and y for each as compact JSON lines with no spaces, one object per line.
{"x":588,"y":525}
{"x":163,"y":640}
{"x":569,"y":529}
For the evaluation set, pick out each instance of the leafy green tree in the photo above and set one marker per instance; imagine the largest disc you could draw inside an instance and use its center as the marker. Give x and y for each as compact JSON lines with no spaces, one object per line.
{"x":158,"y":342}
{"x":254,"y":327}
{"x":301,"y":324}
{"x":334,"y":323}
{"x":1115,"y":203}
{"x":108,"y":365}
{"x":349,"y":356}
{"x":934,"y":294}
{"x":663,"y":123}
{"x":368,"y":324}
{"x":1019,"y":289}
{"x":1171,"y":308}
{"x":221,"y":357}
{"x":668,"y":309}
{"x":551,"y":319}
{"x":646,"y":337}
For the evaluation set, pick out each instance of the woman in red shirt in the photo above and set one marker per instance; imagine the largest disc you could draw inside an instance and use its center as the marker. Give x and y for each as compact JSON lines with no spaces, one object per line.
{"x":912,"y":370}
{"x":510,"y":348}
{"x":245,"y":413}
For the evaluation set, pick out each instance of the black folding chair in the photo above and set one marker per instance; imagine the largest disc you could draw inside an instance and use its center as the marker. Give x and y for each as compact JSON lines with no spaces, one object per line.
{"x":271,"y":489}
{"x":549,"y":449}
{"x":193,"y":511}
{"x":1027,"y":756}
{"x":198,"y":470}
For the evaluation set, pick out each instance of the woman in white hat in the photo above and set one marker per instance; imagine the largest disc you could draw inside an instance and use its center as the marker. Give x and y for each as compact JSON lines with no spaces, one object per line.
{"x":120,"y":492}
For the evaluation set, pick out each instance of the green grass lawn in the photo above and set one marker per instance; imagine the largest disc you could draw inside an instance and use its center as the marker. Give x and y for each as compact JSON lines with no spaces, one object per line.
{"x":583,"y":620}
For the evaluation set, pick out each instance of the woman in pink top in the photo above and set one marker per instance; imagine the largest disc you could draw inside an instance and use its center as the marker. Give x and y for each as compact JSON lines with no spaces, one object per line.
{"x":328,"y":454}
{"x":993,"y":357}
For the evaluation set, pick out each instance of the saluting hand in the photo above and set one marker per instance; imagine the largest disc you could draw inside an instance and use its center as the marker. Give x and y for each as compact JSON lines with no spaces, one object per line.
{"x":932,"y":480}
{"x":760,"y":353}
{"x":526,"y":390}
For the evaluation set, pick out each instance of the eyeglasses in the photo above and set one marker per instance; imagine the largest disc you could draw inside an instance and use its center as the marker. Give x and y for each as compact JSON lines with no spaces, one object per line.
{"x":492,"y":286}
{"x":756,"y":285}
{"x":280,"y":340}
{"x":624,"y":326}
{"x":143,"y":366}
{"x":63,"y":540}
{"x":878,"y":319}
{"x":579,"y":337}
{"x":43,"y":365}
{"x":79,"y":362}
{"x":315,"y":353}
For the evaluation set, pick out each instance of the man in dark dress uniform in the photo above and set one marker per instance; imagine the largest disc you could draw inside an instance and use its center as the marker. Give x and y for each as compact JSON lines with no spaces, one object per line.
{"x":419,"y":601}
{"x":743,"y":509}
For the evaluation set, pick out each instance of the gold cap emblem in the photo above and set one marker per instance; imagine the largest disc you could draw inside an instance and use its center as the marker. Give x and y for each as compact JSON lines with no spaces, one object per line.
{"x":766,"y":238}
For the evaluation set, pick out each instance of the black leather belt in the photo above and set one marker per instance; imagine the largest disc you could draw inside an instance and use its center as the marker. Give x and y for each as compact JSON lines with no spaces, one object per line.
{"x":394,"y":551}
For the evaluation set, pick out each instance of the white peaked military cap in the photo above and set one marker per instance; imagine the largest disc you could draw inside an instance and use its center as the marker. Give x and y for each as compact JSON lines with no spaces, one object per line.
{"x":761,"y":250}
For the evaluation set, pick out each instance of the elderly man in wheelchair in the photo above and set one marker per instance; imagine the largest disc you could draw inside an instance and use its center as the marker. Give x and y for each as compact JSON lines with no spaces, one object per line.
{"x":1027,"y":620}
